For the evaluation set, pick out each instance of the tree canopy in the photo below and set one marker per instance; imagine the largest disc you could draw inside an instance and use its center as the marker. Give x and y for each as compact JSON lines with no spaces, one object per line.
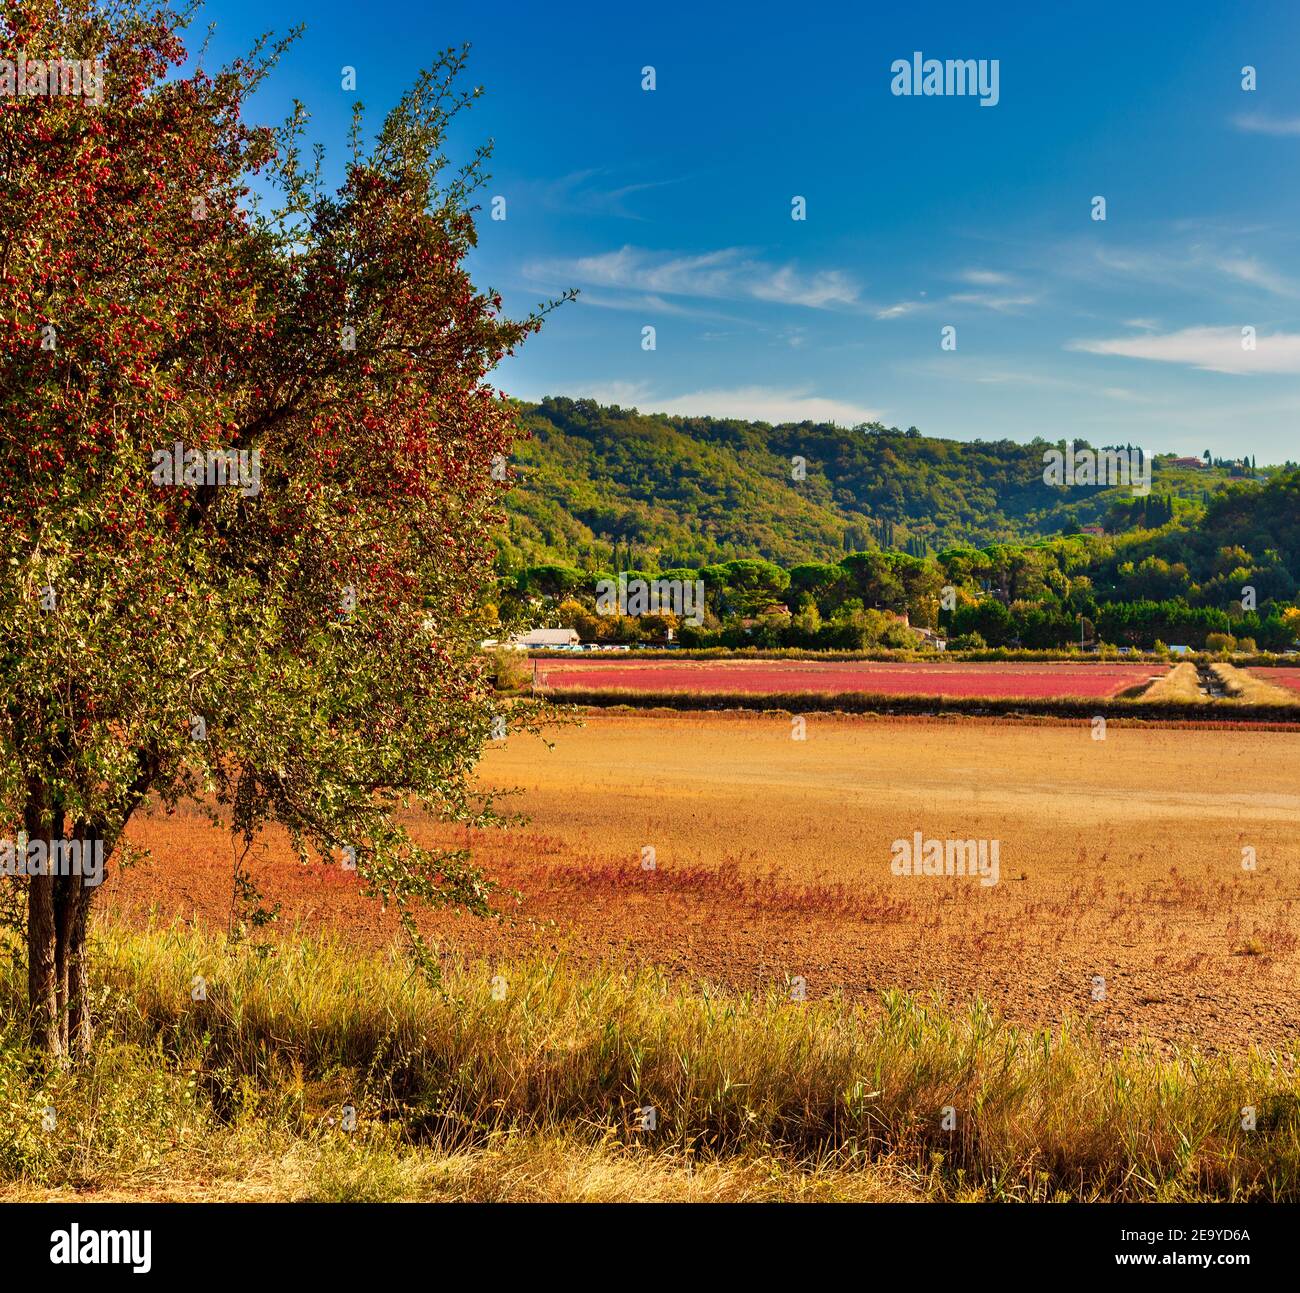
{"x":246,"y":462}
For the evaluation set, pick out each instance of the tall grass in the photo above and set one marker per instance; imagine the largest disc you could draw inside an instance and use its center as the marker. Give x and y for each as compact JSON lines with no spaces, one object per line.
{"x":1181,"y":685}
{"x":1246,"y":687}
{"x":561,"y":1060}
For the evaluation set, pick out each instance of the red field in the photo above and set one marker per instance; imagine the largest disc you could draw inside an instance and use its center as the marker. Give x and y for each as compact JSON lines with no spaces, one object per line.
{"x":1014,"y":680}
{"x":1289,"y":678}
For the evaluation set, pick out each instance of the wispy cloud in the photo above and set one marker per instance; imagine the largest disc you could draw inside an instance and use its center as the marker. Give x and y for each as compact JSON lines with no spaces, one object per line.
{"x":1191,"y":267}
{"x":593,"y":192}
{"x":1218,"y":350}
{"x":1247,"y":269}
{"x":899,"y":309}
{"x":1031,"y":379}
{"x":765,"y":404}
{"x":627,"y":395}
{"x":993,"y":289}
{"x":651,"y":303}
{"x":984,"y":277}
{"x":753,"y":403}
{"x":1261,"y":123}
{"x":1002,"y":303}
{"x":732,"y":273}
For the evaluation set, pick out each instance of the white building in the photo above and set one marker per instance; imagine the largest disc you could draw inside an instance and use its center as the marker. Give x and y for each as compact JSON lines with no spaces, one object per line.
{"x":540,"y":639}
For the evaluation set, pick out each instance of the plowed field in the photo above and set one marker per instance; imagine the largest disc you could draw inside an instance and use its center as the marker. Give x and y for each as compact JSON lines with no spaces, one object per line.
{"x":1121,"y":865}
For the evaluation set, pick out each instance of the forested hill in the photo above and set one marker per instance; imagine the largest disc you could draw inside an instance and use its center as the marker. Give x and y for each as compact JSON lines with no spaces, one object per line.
{"x":594,"y":480}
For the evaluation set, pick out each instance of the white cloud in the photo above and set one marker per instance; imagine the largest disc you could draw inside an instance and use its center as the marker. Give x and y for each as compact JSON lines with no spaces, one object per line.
{"x":1216,"y":350}
{"x":898,"y":310}
{"x":627,"y":395}
{"x":992,"y":301}
{"x":646,"y":303}
{"x":1260,"y":123}
{"x":983,"y":277}
{"x":1187,"y":267}
{"x":1247,"y":269}
{"x":731,"y":273}
{"x":753,"y":403}
{"x":762,"y":404}
{"x":587,"y":192}
{"x":1046,"y":381}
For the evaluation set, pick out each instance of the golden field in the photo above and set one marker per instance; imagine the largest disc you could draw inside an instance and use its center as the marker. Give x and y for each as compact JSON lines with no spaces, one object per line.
{"x":1122,"y":896}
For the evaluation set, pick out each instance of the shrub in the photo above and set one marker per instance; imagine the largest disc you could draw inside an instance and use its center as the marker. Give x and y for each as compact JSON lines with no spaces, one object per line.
{"x":510,"y":670}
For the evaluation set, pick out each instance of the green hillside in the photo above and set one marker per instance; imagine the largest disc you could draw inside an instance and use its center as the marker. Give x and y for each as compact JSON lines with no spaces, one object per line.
{"x":594,"y":481}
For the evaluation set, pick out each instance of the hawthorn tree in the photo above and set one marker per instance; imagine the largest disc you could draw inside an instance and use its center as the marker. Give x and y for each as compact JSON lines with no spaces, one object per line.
{"x":295,"y":644}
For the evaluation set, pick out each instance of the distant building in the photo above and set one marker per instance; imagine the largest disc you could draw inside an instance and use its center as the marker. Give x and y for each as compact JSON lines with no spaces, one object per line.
{"x":1098,"y":530}
{"x":543,"y":638}
{"x":772,"y":611}
{"x":1188,"y":462}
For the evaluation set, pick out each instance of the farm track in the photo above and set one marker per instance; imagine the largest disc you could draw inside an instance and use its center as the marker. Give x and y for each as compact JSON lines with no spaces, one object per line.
{"x":1134,"y":708}
{"x":1065,"y":691}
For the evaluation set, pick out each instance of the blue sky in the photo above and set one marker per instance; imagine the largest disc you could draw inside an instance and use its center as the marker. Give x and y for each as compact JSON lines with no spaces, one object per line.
{"x":672,"y":208}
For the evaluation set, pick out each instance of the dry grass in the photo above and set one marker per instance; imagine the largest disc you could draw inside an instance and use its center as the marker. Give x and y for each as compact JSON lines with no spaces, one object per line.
{"x":1180,"y":684}
{"x":471,"y":1092}
{"x":1249,"y":688}
{"x":257,"y":1164}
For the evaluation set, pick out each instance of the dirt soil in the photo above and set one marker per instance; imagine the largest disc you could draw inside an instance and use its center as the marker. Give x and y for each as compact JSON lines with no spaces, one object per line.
{"x":1121,"y":860}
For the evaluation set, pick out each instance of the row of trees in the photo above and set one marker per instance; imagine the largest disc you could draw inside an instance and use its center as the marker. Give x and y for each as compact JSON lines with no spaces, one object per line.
{"x":1248,"y":536}
{"x":1138,"y":624}
{"x":1004,"y":595}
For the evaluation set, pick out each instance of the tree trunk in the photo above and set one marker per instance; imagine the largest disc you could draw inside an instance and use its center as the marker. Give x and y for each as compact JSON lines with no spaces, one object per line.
{"x":80,"y":1034}
{"x":42,"y":979}
{"x":42,"y":935}
{"x":58,"y":979}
